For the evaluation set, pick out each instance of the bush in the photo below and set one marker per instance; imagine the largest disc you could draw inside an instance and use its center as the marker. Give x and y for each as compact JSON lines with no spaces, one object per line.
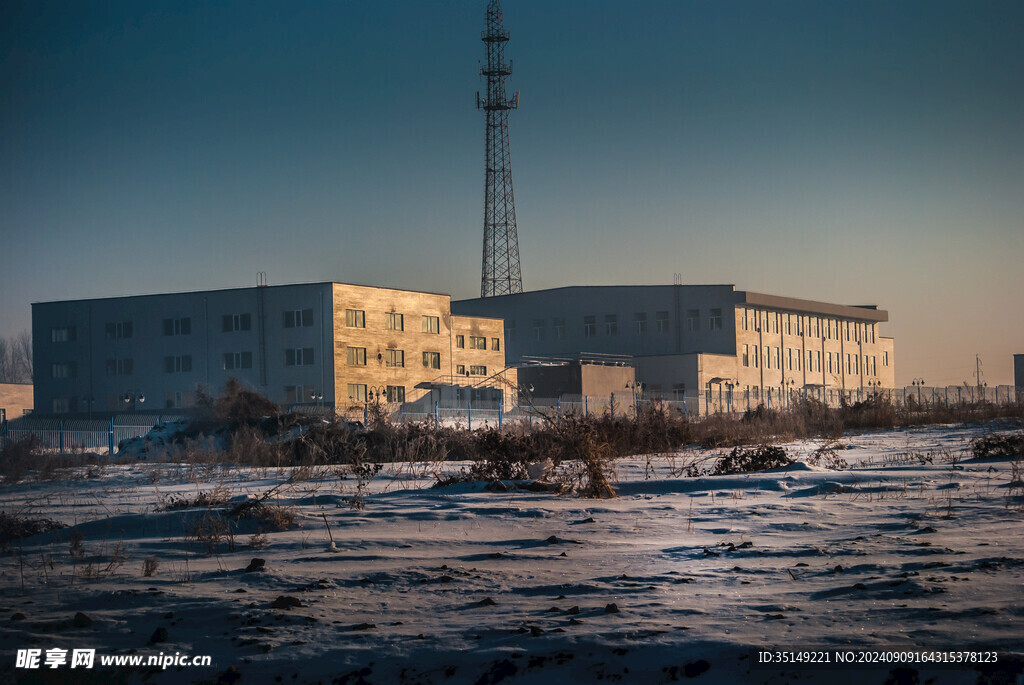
{"x":746,"y":460}
{"x":235,"y":406}
{"x":18,"y":457}
{"x":15,"y":527}
{"x":998,"y":446}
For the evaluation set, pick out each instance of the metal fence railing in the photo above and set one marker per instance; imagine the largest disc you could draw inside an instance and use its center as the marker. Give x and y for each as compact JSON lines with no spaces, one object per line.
{"x":71,"y":435}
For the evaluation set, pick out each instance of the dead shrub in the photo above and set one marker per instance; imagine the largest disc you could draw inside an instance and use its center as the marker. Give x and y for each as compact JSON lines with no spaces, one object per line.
{"x":206,"y":498}
{"x":760,"y":458}
{"x":1005,"y":446}
{"x":17,"y":458}
{"x":150,"y":566}
{"x":210,"y":531}
{"x":16,"y":526}
{"x":827,"y":455}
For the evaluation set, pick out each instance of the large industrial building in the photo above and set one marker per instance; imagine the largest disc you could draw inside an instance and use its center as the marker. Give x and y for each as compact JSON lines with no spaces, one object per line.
{"x":705,"y":341}
{"x":327,"y":344}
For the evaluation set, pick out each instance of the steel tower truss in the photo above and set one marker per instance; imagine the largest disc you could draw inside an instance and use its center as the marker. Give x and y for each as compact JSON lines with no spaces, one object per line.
{"x":501,"y":274}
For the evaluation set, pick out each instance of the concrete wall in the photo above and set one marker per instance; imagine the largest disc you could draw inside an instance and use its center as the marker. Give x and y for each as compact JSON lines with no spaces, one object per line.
{"x":15,"y":399}
{"x":784,"y":337}
{"x":289,"y":342}
{"x":554,"y":322}
{"x":575,"y":379}
{"x":96,"y":359}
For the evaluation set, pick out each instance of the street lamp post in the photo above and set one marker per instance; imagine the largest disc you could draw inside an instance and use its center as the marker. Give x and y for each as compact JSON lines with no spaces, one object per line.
{"x":919,"y":382}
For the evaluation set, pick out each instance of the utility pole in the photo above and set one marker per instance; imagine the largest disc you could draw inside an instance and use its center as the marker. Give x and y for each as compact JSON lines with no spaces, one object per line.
{"x":501,"y":274}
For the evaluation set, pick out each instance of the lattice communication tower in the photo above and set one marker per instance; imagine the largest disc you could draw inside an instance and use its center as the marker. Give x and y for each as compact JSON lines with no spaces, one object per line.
{"x":501,"y":274}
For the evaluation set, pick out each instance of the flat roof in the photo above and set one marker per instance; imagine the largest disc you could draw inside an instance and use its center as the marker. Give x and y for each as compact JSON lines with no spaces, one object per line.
{"x":866,"y":312}
{"x":248,"y":287}
{"x":863,"y":312}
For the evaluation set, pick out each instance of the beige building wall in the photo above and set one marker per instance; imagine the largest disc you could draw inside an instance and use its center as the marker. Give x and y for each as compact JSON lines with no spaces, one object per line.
{"x":15,"y":399}
{"x":799,"y":350}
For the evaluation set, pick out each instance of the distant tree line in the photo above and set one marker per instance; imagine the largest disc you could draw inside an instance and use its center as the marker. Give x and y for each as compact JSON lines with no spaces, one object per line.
{"x":16,"y":358}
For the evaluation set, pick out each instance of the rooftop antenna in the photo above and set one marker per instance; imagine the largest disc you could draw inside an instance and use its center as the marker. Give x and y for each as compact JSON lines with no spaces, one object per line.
{"x":501,"y":274}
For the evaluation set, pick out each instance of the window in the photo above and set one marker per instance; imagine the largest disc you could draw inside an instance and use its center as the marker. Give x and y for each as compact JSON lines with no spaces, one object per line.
{"x":495,"y":344}
{"x":856,"y":364}
{"x":885,"y":358}
{"x":120,"y":367}
{"x":754,"y":356}
{"x":178,"y":326}
{"x":775,"y":321}
{"x":778,"y":358}
{"x":640,"y":323}
{"x":743,"y":319}
{"x":355,"y":318}
{"x":432,"y":360}
{"x":662,"y":320}
{"x":817,"y":357}
{"x":872,"y":332}
{"x":611,"y":324}
{"x":357,"y":391}
{"x":797,"y":358}
{"x":767,"y":357}
{"x":538,"y":329}
{"x":298,"y":317}
{"x":460,"y":341}
{"x":693,"y":320}
{"x":394,"y":322}
{"x":180,"y":364}
{"x":460,"y":369}
{"x":817,"y":327}
{"x":558,"y":324}
{"x":237,"y":360}
{"x":394,"y":357}
{"x":789,"y":356}
{"x":357,"y":356}
{"x":589,"y":326}
{"x":848,"y":368}
{"x":61,"y":405}
{"x":800,"y":325}
{"x":299,"y":356}
{"x":396,"y":393}
{"x":63,"y":369}
{"x":510,"y":330}
{"x":119,"y":329}
{"x":716,"y":320}
{"x":298,"y":394}
{"x":746,"y":356}
{"x":64,"y":334}
{"x":810,"y":360}
{"x":477,"y":342}
{"x":477,"y":370}
{"x":236,"y":322}
{"x":431,"y":324}
{"x":173,"y":400}
{"x":679,"y":391}
{"x":789,"y":325}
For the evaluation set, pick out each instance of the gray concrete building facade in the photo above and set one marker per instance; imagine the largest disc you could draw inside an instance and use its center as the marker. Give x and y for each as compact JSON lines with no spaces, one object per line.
{"x":703,"y":339}
{"x":329,"y":344}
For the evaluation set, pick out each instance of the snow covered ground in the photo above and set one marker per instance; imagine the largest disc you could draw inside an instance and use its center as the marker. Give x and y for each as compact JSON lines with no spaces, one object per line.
{"x":915,"y":546}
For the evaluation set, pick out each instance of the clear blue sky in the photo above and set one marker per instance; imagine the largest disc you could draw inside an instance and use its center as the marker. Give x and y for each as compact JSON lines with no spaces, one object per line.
{"x":855,"y":152}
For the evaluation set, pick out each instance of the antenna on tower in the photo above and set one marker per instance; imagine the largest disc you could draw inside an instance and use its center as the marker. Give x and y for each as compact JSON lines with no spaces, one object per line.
{"x":501,"y":274}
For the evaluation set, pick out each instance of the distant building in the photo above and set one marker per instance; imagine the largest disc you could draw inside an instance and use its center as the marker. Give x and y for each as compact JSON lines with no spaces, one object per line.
{"x":1018,"y":370}
{"x":329,"y":344}
{"x":15,"y":400}
{"x":703,"y":340}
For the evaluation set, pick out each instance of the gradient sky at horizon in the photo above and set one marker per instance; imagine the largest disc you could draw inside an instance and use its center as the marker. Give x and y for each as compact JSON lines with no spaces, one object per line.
{"x":865,"y":152}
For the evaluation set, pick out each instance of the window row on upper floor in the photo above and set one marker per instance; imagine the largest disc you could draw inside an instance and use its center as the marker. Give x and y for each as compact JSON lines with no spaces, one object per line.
{"x":826,"y":328}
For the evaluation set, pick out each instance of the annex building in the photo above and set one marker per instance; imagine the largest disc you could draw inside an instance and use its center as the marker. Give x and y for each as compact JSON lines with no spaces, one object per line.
{"x":707,"y":341}
{"x":328,"y":344}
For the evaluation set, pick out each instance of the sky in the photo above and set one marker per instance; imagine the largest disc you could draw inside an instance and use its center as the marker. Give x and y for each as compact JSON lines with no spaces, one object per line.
{"x":867,"y":152}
